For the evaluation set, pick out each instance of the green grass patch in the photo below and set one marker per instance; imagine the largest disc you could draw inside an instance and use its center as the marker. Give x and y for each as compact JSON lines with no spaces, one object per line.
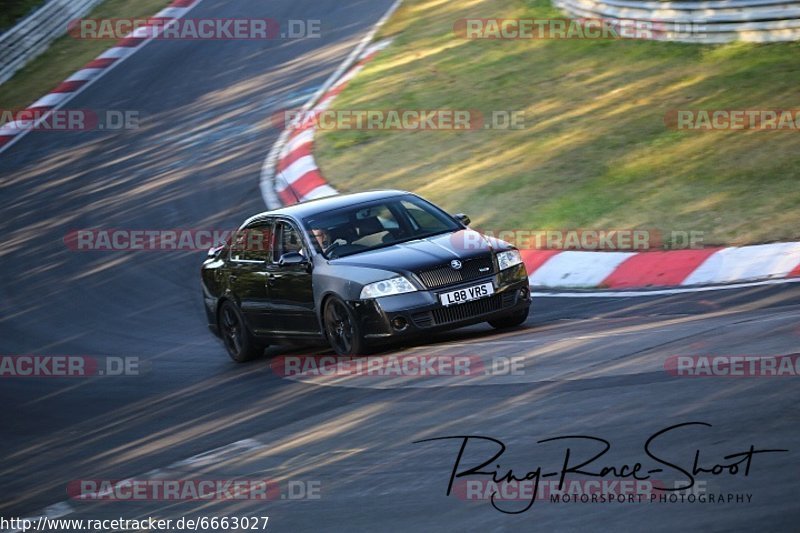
{"x":595,"y":150}
{"x":67,"y":54}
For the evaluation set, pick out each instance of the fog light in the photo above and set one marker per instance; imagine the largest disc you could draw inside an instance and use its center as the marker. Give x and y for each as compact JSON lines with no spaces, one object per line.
{"x":399,"y":323}
{"x":524,"y":293}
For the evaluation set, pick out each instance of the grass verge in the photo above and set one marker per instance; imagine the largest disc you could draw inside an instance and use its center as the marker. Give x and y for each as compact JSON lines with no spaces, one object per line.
{"x":595,"y":151}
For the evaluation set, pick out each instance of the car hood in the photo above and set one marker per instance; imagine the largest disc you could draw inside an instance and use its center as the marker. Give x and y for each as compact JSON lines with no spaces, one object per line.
{"x":425,"y":253}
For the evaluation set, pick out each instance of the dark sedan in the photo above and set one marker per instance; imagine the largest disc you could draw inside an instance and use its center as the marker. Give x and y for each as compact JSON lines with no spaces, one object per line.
{"x":358,"y":269}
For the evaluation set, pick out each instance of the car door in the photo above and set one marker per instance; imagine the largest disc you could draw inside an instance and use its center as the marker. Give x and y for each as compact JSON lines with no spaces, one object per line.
{"x":289,"y":286}
{"x":247,"y":274}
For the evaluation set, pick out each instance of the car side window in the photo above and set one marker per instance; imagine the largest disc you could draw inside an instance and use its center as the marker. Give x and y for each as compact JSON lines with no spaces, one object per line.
{"x":287,"y":239}
{"x":252,"y":244}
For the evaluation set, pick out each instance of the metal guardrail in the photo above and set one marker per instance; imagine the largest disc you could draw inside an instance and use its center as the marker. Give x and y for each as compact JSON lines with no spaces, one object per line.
{"x":716,"y":21}
{"x":32,"y":35}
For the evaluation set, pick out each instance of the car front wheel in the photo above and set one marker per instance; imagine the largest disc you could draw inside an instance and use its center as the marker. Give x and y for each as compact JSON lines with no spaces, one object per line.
{"x":341,"y":328}
{"x":239,"y":342}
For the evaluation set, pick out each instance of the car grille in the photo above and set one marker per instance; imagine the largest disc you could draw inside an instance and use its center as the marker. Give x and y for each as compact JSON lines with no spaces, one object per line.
{"x":447,"y":275}
{"x":458,"y":312}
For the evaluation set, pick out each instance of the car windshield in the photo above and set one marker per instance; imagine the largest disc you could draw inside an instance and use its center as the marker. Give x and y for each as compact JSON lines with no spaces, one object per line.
{"x":378,"y":224}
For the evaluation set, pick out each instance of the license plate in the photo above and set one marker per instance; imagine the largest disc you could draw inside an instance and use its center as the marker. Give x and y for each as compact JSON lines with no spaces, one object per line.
{"x":465,"y":295}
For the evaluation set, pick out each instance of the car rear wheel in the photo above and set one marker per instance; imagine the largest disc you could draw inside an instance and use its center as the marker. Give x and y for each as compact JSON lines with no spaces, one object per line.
{"x":341,"y":328}
{"x":510,"y":321}
{"x":238,"y":340}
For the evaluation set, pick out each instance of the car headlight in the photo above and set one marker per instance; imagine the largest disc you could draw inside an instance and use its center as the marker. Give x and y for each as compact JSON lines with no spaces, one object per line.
{"x":387,"y":287}
{"x":509,"y":259}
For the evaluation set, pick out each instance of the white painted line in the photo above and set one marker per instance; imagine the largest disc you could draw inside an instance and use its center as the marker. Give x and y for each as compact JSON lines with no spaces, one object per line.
{"x":352,"y":73}
{"x":578,"y":269}
{"x":377,"y":47}
{"x":659,"y":292}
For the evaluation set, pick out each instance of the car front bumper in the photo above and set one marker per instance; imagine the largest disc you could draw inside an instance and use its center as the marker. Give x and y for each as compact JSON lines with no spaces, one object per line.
{"x":421,"y":312}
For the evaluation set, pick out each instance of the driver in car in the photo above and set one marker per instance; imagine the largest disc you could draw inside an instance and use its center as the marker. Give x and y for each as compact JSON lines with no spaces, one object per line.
{"x":323,"y":237}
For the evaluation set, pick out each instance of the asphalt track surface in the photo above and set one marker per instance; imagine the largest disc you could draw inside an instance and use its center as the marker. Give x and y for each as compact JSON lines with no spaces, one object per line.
{"x":591,"y":366}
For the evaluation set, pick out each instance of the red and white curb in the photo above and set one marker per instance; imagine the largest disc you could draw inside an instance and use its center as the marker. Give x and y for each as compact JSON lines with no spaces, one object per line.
{"x":673,"y":268}
{"x":12,"y":132}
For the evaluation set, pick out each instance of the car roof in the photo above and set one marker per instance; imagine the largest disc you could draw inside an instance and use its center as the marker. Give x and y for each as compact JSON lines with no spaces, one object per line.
{"x":328,"y":203}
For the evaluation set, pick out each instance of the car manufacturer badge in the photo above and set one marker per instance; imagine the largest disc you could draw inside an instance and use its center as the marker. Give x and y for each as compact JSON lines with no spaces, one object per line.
{"x":456,"y":264}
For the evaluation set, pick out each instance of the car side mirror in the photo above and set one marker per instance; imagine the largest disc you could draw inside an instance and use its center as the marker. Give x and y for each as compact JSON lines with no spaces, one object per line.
{"x":215,"y":250}
{"x":292,"y":259}
{"x":461,"y":217}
